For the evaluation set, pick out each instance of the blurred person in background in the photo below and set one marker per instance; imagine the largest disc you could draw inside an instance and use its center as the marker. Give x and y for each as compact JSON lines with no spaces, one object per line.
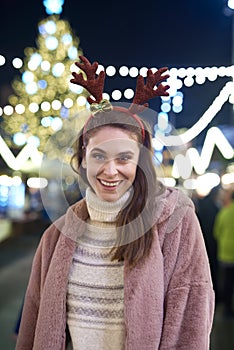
{"x":207,"y":210}
{"x":224,"y":234}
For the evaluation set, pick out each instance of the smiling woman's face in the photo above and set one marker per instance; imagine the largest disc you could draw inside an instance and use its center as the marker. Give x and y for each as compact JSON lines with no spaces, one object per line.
{"x":110,"y":160}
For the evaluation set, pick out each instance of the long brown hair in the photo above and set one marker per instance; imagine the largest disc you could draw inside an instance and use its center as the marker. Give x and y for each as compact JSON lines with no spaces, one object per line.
{"x":135,"y":221}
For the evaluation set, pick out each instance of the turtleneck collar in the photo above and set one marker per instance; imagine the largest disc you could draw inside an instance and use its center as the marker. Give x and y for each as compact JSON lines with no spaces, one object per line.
{"x":100,"y":210}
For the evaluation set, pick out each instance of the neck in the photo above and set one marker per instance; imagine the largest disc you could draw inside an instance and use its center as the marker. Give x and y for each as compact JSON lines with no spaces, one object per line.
{"x":100,"y":210}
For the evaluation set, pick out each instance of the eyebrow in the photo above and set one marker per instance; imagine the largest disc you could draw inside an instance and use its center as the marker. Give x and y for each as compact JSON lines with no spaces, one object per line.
{"x":96,"y":149}
{"x":126,"y":152}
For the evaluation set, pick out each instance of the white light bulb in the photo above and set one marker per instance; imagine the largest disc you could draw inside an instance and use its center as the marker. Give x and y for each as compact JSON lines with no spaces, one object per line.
{"x":81,"y":101}
{"x":20,"y":109}
{"x":116,"y":95}
{"x":33,"y":107}
{"x":123,"y":71}
{"x":110,"y":70}
{"x":8,"y":110}
{"x":128,"y":93}
{"x":17,"y":63}
{"x":68,"y":103}
{"x":56,"y":105}
{"x":45,"y":106}
{"x":2,"y":60}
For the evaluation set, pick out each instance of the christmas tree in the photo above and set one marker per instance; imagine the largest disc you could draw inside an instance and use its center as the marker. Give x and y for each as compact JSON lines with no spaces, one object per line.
{"x":43,"y":96}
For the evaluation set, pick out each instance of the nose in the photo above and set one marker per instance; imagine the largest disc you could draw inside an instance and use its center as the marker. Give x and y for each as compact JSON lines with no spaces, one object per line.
{"x":110,"y":168}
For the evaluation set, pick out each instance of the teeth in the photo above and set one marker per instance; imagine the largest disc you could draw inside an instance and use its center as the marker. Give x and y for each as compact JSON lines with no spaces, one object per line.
{"x":110,"y":184}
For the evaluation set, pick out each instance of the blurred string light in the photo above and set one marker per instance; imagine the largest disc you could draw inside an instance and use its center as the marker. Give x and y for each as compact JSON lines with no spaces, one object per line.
{"x":20,"y":109}
{"x":100,"y":68}
{"x":17,"y":63}
{"x":37,"y":182}
{"x":204,"y":120}
{"x":228,"y":7}
{"x":19,"y":139}
{"x":53,"y":6}
{"x":116,"y":95}
{"x":81,"y":101}
{"x":162,"y":121}
{"x":129,"y":93}
{"x":51,"y":43}
{"x":184,"y":164}
{"x":35,"y":61}
{"x":45,"y":66}
{"x":230,"y":4}
{"x":2,"y":60}
{"x":29,"y":151}
{"x":133,"y":72}
{"x":45,"y":106}
{"x":179,"y":77}
{"x":8,"y":181}
{"x":58,"y":69}
{"x":228,"y":178}
{"x":27,"y":77}
{"x":168,"y":181}
{"x":110,"y":70}
{"x":33,"y":107}
{"x":203,"y":183}
{"x":56,"y":105}
{"x":123,"y":71}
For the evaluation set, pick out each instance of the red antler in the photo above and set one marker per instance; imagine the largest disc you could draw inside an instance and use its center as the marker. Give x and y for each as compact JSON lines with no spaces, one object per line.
{"x":94,"y":85}
{"x":147,"y":91}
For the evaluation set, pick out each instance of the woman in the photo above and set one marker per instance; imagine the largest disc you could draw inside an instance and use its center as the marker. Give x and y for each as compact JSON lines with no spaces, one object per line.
{"x":125,"y":267}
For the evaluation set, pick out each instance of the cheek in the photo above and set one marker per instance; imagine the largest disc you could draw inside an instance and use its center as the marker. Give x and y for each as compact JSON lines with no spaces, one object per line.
{"x":91,"y":169}
{"x":130,"y":171}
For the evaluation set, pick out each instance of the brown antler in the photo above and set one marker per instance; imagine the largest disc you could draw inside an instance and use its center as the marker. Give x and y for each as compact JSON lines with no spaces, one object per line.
{"x":144,"y":92}
{"x":94,"y":85}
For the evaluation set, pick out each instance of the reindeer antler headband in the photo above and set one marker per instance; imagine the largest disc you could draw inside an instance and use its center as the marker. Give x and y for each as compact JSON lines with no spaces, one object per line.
{"x":95,"y":86}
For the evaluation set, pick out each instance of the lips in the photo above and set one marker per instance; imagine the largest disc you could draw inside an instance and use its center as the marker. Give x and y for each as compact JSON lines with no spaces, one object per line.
{"x":109,"y":183}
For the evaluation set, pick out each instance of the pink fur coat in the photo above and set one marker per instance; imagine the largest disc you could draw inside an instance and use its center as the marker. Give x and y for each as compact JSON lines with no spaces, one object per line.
{"x":169,"y":299}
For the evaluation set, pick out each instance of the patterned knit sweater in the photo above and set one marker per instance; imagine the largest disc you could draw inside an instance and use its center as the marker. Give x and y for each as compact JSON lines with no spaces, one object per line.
{"x":95,"y":299}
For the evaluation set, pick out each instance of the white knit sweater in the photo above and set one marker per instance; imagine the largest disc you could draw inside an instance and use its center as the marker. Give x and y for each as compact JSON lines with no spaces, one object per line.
{"x":95,"y":299}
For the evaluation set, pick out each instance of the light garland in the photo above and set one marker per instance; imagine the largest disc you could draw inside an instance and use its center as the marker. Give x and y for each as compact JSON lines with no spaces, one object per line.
{"x":53,"y":109}
{"x":16,"y":163}
{"x":184,"y":164}
{"x":204,"y":120}
{"x":200,"y":76}
{"x":190,"y":74}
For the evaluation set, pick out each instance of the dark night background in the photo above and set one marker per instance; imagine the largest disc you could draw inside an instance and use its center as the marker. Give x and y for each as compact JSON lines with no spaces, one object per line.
{"x":135,"y":33}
